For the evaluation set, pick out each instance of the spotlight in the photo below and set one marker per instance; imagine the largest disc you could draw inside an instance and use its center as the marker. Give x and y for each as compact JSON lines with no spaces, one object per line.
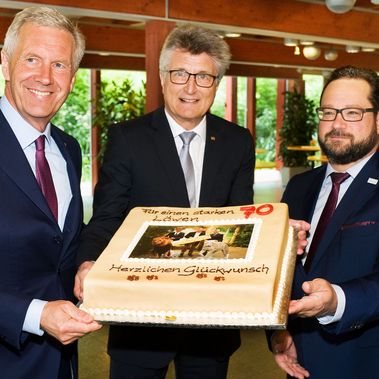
{"x":351,"y":49}
{"x":330,"y":55}
{"x":290,"y":42}
{"x":311,"y":52}
{"x":340,"y":6}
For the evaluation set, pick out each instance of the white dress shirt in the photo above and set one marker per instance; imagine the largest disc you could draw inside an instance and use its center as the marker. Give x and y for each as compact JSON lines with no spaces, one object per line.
{"x":197,"y":147}
{"x":26,"y":135}
{"x":326,"y":187}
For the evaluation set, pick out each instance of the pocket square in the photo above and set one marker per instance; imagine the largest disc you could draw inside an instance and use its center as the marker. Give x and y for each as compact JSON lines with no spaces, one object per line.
{"x":358,"y":224}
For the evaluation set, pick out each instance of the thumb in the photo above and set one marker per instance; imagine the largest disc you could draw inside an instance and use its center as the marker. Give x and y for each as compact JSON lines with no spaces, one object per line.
{"x":307,"y":287}
{"x":78,"y":314}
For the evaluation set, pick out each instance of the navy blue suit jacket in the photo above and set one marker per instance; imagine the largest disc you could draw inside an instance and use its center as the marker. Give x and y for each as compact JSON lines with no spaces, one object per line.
{"x":348,"y":255}
{"x":37,"y":259}
{"x":142,"y":168}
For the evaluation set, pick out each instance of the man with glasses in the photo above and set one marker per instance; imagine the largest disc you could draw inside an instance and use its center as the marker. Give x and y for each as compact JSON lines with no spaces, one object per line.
{"x":334,"y":330}
{"x":179,"y":155}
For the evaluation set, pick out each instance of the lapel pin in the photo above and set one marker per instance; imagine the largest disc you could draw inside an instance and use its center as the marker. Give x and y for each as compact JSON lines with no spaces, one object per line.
{"x":372,"y":181}
{"x":213,"y":138}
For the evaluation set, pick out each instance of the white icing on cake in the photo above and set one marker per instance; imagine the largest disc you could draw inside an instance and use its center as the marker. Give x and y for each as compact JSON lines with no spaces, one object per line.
{"x":242,"y":292}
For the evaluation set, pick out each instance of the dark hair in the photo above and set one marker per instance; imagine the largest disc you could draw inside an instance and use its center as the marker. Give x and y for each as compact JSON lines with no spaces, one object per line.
{"x":351,"y":72}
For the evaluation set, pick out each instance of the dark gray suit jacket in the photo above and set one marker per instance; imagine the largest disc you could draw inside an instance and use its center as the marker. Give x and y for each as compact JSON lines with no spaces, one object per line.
{"x":142,"y":168}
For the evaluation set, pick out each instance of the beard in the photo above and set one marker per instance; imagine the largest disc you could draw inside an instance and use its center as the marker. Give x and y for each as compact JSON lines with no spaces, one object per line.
{"x":347,"y":154}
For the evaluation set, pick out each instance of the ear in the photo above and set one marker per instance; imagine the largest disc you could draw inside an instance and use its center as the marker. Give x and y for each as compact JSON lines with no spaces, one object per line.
{"x":377,"y":123}
{"x":72,"y":82}
{"x":5,"y":65}
{"x":162,"y":77}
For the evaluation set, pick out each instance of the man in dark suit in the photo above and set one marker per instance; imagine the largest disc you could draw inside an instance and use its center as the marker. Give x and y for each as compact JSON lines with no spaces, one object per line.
{"x":40,"y":220}
{"x":334,"y":330}
{"x":142,"y":168}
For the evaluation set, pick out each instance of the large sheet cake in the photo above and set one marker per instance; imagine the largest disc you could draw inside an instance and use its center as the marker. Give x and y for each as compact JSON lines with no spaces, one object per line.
{"x":220,"y":267}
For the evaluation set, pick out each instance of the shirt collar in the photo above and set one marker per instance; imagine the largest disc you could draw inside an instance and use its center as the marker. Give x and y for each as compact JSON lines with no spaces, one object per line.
{"x":353,"y":171}
{"x":176,"y":129}
{"x":25,"y":133}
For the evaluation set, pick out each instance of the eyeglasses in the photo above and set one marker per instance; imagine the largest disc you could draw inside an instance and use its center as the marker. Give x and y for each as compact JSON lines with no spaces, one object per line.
{"x":182,"y":77}
{"x":348,"y":114}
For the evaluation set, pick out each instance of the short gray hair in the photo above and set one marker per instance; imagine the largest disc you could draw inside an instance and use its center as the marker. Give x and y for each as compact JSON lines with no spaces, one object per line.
{"x":196,"y":40}
{"x":44,"y":16}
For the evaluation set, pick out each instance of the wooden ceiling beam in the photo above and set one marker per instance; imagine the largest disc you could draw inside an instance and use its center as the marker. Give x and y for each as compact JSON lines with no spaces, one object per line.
{"x":113,"y":39}
{"x":282,"y":16}
{"x":277,"y":16}
{"x":263,"y":72}
{"x":273,"y":54}
{"x":112,"y":62}
{"x":151,"y":8}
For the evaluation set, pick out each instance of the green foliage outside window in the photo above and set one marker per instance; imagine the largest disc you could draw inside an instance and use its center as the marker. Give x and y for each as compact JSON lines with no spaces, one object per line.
{"x":265,"y":121}
{"x":75,"y":119}
{"x":117,"y":102}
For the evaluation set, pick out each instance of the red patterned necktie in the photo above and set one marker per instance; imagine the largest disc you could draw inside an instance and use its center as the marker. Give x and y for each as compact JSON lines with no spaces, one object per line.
{"x":44,"y":178}
{"x":327,"y":213}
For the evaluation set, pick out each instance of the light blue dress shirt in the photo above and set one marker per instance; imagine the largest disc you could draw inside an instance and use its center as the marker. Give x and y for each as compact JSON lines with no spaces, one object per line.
{"x":26,"y":135}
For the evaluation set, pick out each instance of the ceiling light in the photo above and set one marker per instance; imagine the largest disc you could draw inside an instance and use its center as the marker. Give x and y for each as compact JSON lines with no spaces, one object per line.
{"x":340,"y":6}
{"x":368,"y":49}
{"x":232,"y":35}
{"x":290,"y":42}
{"x":352,"y":49}
{"x":297,"y":50}
{"x":311,"y":52}
{"x":307,"y":43}
{"x":330,"y":55}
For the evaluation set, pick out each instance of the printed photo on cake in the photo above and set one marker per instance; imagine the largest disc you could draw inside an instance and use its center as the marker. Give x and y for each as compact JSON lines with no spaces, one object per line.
{"x":194,"y":242}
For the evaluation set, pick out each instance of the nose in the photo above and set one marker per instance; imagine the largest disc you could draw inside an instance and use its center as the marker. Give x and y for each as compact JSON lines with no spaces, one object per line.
{"x":339,"y":122}
{"x":44,"y":74}
{"x":191,"y":85}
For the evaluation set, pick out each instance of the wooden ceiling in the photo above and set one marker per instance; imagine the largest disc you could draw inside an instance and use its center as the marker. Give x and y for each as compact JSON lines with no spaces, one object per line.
{"x":115,"y":31}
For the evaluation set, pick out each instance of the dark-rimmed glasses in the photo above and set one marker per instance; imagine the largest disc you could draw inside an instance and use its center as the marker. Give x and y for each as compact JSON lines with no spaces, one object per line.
{"x":348,"y":114}
{"x":182,"y":77}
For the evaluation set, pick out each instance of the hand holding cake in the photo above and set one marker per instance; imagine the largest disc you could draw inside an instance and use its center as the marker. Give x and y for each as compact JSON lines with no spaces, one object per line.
{"x":320,"y":300}
{"x":65,"y":322}
{"x":285,"y":354}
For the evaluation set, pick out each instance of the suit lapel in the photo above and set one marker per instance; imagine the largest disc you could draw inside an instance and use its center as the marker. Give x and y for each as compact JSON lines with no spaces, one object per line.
{"x":213,"y":155}
{"x":311,"y":194}
{"x":359,"y":192}
{"x":14,"y":163}
{"x":164,"y":144}
{"x":72,"y":221}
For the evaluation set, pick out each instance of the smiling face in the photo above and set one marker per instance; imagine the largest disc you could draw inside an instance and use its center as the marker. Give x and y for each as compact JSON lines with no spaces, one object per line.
{"x":188,"y":103}
{"x":39,"y":74}
{"x":346,"y":142}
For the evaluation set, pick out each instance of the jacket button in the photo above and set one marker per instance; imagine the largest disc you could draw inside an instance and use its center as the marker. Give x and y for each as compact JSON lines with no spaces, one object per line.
{"x":58,"y":240}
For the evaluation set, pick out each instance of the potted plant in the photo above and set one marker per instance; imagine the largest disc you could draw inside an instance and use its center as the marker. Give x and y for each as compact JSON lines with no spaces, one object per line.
{"x":299,"y":126}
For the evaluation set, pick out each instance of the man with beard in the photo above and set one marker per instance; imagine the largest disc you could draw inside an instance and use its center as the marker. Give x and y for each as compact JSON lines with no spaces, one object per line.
{"x":333,"y":331}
